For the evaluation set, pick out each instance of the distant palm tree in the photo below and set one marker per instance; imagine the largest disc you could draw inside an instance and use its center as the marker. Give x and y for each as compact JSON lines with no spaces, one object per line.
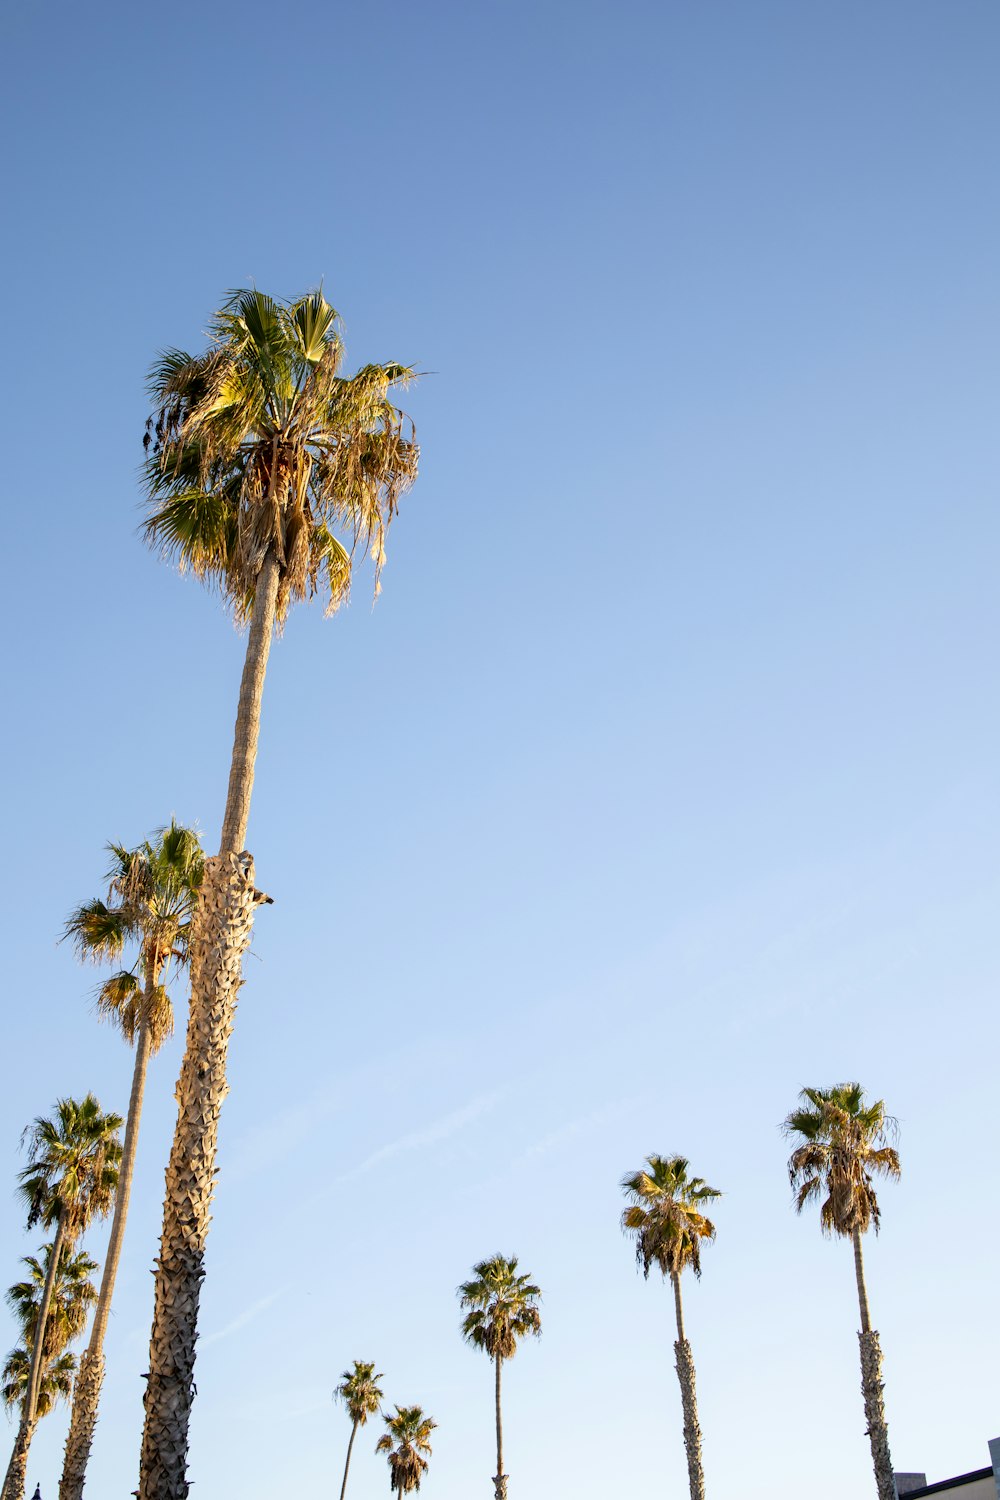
{"x":70,"y":1180}
{"x":665,"y":1218}
{"x":56,"y":1383}
{"x":268,"y":469}
{"x":503,"y":1308}
{"x":405,"y":1443}
{"x":72,"y":1296}
{"x":844,"y":1147}
{"x":152,"y":893}
{"x":360,"y":1392}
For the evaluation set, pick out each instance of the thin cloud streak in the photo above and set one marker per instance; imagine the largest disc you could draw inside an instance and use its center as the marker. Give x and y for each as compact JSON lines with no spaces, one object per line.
{"x":430,"y":1135}
{"x":241,"y":1320}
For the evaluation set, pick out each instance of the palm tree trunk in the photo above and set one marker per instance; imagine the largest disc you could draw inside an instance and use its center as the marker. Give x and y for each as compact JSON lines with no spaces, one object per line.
{"x":689,"y":1400}
{"x":90,"y":1376}
{"x":221,"y":931}
{"x":500,"y":1478}
{"x":13,"y":1488}
{"x":343,"y":1487}
{"x":872,"y":1387}
{"x":234,"y":824}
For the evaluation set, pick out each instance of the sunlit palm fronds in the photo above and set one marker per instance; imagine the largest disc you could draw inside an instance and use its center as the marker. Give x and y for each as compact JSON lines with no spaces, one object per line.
{"x":261,"y":445}
{"x":404,"y":1444}
{"x":73,"y":1295}
{"x":360,"y":1392}
{"x":845,"y":1146}
{"x":73,"y":1171}
{"x":502,"y":1307}
{"x":665,"y":1215}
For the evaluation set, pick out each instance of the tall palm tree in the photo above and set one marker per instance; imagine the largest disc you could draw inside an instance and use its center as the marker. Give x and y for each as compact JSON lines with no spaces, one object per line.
{"x":152,"y":892}
{"x":70,"y":1180}
{"x":405,"y":1443}
{"x":267,"y":469}
{"x":502,"y":1308}
{"x":844,"y":1147}
{"x":361,"y":1394}
{"x":665,"y":1218}
{"x":72,"y":1295}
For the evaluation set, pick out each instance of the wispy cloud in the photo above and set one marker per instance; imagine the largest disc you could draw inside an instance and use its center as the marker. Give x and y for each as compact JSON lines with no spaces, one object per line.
{"x":241,"y":1320}
{"x":429,"y":1135}
{"x":562,"y":1136}
{"x":276,"y":1138}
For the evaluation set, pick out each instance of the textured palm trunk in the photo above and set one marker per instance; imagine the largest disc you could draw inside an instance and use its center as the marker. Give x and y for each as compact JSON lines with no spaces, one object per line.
{"x":220,"y":935}
{"x":14,"y":1483}
{"x":90,"y":1376}
{"x":689,"y":1400}
{"x":343,"y":1487}
{"x":872,"y":1386}
{"x":500,"y":1478}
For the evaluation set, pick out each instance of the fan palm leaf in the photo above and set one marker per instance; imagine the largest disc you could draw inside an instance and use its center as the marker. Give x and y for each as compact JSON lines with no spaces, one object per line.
{"x":404,"y":1444}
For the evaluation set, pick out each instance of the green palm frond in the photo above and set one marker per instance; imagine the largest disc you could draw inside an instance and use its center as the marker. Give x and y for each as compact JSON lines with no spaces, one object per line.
{"x":262,"y":446}
{"x":664,"y":1215}
{"x":360,"y":1392}
{"x":404,"y":1443}
{"x":502,"y":1307}
{"x":844,"y":1148}
{"x":73,"y":1172}
{"x":152,"y":895}
{"x":73,"y":1295}
{"x":56,"y":1382}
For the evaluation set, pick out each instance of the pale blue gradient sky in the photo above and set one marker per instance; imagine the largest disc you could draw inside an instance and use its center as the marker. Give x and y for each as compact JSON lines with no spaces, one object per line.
{"x":662,"y":779}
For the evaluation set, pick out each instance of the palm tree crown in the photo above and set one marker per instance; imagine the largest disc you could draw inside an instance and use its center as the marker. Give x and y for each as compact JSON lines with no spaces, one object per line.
{"x":502,"y":1307}
{"x":665,"y":1215}
{"x":73,"y":1295}
{"x":405,"y":1443}
{"x":360,"y":1392}
{"x":55,"y":1385}
{"x":152,"y":892}
{"x":844,"y":1147}
{"x":261,"y":446}
{"x":73,"y":1171}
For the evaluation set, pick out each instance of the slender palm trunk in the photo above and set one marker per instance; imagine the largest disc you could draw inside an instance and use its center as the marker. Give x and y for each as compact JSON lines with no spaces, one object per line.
{"x":90,"y":1376}
{"x":13,"y":1485}
{"x":689,"y":1400}
{"x":220,"y":934}
{"x":500,"y":1478}
{"x":343,"y":1487}
{"x":872,"y":1387}
{"x":247,"y":734}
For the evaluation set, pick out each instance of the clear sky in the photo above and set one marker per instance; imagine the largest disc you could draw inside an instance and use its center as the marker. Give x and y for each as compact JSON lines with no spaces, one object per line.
{"x":661,"y":781}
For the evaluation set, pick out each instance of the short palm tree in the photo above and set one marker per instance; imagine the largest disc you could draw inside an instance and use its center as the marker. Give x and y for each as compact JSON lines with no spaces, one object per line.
{"x":665,"y":1217}
{"x":268,"y":469}
{"x":405,"y":1443}
{"x":361,"y":1394}
{"x":844,"y":1146}
{"x":502,"y":1309}
{"x":69,"y":1181}
{"x":152,"y":892}
{"x":72,"y":1295}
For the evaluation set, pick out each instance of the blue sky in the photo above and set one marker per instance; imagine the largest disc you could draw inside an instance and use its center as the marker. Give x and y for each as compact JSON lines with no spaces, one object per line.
{"x":662,"y":778}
